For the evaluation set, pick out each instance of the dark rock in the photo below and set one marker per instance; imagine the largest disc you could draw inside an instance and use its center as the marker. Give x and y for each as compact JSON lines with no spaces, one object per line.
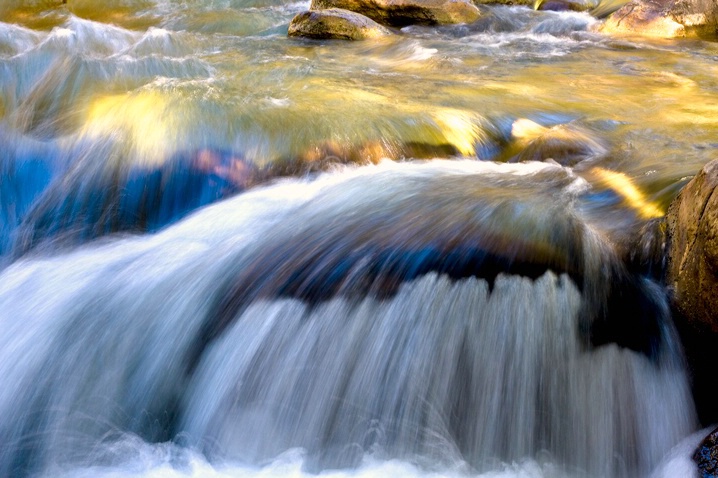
{"x":693,"y":252}
{"x":74,"y":209}
{"x":328,"y":154}
{"x":692,"y":274}
{"x":706,"y":456}
{"x":400,"y":13}
{"x":335,"y":23}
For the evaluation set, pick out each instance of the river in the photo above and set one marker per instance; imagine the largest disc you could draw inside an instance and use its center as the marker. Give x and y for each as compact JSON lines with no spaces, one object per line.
{"x":224,"y":252}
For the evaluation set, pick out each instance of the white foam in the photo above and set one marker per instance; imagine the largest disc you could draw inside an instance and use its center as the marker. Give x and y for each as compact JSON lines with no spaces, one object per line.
{"x":138,"y":459}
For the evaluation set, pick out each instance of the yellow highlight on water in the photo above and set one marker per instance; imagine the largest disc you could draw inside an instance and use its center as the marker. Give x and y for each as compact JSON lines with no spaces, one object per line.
{"x":459,"y":128}
{"x":624,"y":187}
{"x":142,"y":120}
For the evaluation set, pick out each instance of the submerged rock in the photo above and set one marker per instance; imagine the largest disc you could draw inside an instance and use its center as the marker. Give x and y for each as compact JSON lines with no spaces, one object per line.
{"x":327,"y":155}
{"x":706,"y":456}
{"x":665,"y":18}
{"x":400,"y":13}
{"x":335,"y":23}
{"x":565,"y":144}
{"x":79,"y":206}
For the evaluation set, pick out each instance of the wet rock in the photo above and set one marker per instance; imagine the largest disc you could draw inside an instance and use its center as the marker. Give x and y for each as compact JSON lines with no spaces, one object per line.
{"x":327,"y":155}
{"x":399,"y":13}
{"x":74,"y":209}
{"x":693,"y":252}
{"x":527,"y":3}
{"x":565,"y":144}
{"x":665,"y":18}
{"x":706,"y":456}
{"x":565,"y":5}
{"x":335,"y":23}
{"x":692,"y":274}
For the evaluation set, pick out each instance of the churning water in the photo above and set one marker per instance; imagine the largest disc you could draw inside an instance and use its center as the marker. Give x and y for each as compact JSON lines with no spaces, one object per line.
{"x":203,"y":273}
{"x":392,"y":312}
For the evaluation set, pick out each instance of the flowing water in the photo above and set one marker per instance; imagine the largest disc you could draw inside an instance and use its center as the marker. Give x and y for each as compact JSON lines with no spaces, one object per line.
{"x":390,"y":285}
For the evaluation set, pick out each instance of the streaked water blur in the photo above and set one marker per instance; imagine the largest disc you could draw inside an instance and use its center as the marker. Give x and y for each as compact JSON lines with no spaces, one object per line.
{"x":123,"y":91}
{"x":464,"y":316}
{"x":399,"y":311}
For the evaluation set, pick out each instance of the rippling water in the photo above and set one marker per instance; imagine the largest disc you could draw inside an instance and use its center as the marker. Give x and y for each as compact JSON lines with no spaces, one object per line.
{"x":223,"y":74}
{"x":126,"y":118}
{"x":103,"y":99}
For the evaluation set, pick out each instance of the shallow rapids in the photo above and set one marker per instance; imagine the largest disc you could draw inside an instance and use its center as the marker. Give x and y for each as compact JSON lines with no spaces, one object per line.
{"x":104,"y":97}
{"x":224,"y":252}
{"x":401,"y":311}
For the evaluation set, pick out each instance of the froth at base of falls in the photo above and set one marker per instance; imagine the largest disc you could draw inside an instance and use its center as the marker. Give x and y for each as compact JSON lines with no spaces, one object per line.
{"x":419,"y":316}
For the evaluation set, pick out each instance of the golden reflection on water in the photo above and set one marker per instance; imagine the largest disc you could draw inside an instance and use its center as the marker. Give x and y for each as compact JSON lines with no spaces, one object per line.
{"x":146,"y":120}
{"x":624,"y":187}
{"x":654,"y":103}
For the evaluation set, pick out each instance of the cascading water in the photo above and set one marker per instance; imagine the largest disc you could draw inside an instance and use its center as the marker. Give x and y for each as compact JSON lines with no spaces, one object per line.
{"x":171,"y":304}
{"x":399,"y":311}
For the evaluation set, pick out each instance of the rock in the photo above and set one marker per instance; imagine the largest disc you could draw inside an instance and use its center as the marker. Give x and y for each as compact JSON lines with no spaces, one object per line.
{"x":399,"y":13}
{"x":335,"y":23}
{"x":643,"y":18}
{"x":693,"y":251}
{"x":526,"y":3}
{"x":692,"y":274}
{"x":129,"y":197}
{"x":326,"y":155}
{"x":699,"y":17}
{"x":565,"y":5}
{"x":665,"y":18}
{"x":566,"y":144}
{"x":706,"y":456}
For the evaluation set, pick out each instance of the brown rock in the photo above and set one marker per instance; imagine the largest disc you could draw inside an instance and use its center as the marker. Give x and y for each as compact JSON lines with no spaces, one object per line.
{"x":566,"y":144}
{"x":335,"y":23}
{"x":566,"y":5}
{"x":693,"y":251}
{"x":527,"y":3}
{"x":400,"y":13}
{"x":699,"y":17}
{"x":643,"y":18}
{"x":665,"y":18}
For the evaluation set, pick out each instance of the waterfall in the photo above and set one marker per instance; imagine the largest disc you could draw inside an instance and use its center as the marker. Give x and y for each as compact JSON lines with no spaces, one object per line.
{"x":434,"y":313}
